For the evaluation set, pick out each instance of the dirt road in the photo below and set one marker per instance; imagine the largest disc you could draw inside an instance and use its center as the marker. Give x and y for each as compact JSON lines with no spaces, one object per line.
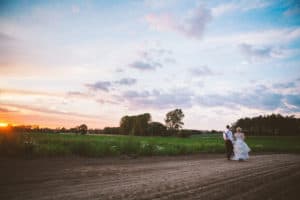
{"x":184,"y":177}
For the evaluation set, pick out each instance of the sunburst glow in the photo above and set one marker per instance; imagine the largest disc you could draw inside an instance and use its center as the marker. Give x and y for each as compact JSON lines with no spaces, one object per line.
{"x":2,"y":124}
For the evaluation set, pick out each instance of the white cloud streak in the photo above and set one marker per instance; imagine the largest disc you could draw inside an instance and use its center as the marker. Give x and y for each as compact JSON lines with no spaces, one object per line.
{"x":265,"y":37}
{"x":242,"y":6}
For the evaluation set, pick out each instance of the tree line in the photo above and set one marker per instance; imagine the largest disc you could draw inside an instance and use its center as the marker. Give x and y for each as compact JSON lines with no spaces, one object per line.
{"x":81,"y":129}
{"x":273,"y":125}
{"x":143,"y":125}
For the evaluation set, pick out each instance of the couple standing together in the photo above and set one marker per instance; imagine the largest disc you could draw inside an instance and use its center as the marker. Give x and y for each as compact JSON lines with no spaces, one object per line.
{"x":236,"y":148}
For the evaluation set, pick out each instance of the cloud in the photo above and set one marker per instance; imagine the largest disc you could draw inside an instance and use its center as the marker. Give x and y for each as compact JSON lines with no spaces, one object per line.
{"x":170,"y":60}
{"x":293,"y":9}
{"x":23,"y":92}
{"x":234,"y":6}
{"x":11,"y":51}
{"x":155,"y":4}
{"x":5,"y":110}
{"x":192,"y":25}
{"x":215,"y":100}
{"x":292,"y":12}
{"x":48,"y":111}
{"x":105,"y":85}
{"x":127,"y":81}
{"x":258,"y":98}
{"x":5,"y":37}
{"x":294,"y":101}
{"x":195,"y":24}
{"x":100,"y":85}
{"x":265,"y":101}
{"x":263,"y":38}
{"x":159,"y":100}
{"x":152,"y":53}
{"x":75,"y":9}
{"x":78,"y":94}
{"x":144,"y":65}
{"x":253,"y":53}
{"x":161,"y":22}
{"x":224,"y":8}
{"x":284,"y":85}
{"x":254,"y":4}
{"x":152,"y":58}
{"x":119,"y":70}
{"x":201,"y":71}
{"x":131,"y":94}
{"x":105,"y":101}
{"x":156,"y":56}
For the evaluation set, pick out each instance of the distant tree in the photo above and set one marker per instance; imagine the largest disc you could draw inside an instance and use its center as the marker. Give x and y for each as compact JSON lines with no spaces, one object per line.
{"x":174,"y":119}
{"x":63,"y":130}
{"x":135,"y":125}
{"x":141,"y":123}
{"x":126,"y":124}
{"x":73,"y":130}
{"x":156,"y":128}
{"x":82,"y":129}
{"x":111,"y":130}
{"x":96,"y":131}
{"x":274,"y":124}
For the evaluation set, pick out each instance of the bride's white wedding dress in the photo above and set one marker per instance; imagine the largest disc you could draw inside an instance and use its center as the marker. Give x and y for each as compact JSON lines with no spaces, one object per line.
{"x":240,"y":148}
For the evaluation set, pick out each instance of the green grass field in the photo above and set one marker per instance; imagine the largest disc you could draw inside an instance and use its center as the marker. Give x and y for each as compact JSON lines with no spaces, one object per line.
{"x":105,"y":145}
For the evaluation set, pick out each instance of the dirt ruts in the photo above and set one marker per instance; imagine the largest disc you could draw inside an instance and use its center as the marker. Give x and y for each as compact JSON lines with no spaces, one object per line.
{"x":275,"y":176}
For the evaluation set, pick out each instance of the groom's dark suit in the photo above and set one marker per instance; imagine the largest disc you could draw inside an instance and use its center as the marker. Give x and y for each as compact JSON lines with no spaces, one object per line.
{"x":227,"y":135}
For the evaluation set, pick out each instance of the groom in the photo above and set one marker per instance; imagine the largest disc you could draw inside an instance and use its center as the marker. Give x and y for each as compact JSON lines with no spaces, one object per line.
{"x":228,"y":138}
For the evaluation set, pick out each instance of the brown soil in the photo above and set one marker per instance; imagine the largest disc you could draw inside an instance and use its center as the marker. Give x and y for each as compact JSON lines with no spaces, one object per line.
{"x":184,"y":177}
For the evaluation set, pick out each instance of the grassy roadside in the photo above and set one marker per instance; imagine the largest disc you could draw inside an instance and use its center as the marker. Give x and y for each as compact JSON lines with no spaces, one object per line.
{"x":105,"y":145}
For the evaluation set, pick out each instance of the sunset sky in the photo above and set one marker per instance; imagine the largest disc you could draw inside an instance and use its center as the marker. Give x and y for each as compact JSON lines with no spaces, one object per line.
{"x":64,"y":63}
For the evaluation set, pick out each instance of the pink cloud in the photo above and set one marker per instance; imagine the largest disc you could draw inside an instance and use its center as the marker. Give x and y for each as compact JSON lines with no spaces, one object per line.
{"x":161,"y":22}
{"x":192,"y":25}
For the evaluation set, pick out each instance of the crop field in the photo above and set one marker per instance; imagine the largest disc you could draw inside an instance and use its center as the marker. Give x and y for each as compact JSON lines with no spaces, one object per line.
{"x":40,"y":144}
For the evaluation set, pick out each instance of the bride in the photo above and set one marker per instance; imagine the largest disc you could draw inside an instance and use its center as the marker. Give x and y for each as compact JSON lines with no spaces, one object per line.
{"x":240,"y":148}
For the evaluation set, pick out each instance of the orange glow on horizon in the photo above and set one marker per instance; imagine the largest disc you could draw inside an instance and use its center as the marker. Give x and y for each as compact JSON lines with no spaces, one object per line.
{"x":50,"y":121}
{"x":3,"y":124}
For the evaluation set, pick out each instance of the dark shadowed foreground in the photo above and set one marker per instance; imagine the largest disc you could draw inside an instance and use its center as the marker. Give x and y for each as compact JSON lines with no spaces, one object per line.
{"x":182,"y":177}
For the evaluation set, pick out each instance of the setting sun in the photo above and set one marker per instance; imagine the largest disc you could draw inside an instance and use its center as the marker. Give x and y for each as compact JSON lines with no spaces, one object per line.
{"x":2,"y":124}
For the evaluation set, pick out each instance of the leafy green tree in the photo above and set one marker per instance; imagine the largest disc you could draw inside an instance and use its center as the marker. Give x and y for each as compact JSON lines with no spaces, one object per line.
{"x":141,"y":123}
{"x":82,"y":129}
{"x":135,"y":125}
{"x":111,"y":130}
{"x":156,"y":128}
{"x":174,"y":119}
{"x":126,"y":125}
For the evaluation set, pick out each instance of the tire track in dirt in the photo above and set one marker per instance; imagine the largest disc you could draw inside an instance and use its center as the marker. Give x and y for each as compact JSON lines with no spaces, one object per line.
{"x":185,"y":191}
{"x":175,"y":189}
{"x":190,"y":177}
